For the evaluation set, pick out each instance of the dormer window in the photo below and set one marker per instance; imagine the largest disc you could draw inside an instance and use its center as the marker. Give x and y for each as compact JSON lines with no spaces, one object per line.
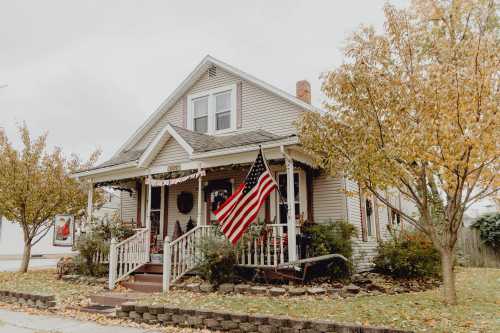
{"x":213,"y":111}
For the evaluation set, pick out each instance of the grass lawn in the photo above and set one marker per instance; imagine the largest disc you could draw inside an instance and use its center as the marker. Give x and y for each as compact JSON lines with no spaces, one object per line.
{"x":478,"y":309}
{"x":45,"y":282}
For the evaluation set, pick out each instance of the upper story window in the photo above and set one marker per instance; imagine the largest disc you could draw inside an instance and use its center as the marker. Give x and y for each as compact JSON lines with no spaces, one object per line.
{"x":213,"y":111}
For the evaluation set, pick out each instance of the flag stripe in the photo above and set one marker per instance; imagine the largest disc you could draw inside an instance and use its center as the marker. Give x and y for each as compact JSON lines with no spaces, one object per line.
{"x":241,"y":204}
{"x":251,"y":214}
{"x":249,"y":203}
{"x":241,"y":208}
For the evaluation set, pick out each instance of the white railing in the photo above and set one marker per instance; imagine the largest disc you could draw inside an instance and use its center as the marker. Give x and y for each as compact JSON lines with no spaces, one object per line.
{"x":127,"y":256}
{"x":183,"y":254}
{"x":268,"y":248}
{"x":100,"y":258}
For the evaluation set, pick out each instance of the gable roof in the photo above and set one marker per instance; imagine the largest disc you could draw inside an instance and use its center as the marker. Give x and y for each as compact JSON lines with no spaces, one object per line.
{"x":206,"y":63}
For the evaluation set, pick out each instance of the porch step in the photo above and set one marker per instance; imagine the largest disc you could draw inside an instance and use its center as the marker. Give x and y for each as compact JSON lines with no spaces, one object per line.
{"x":112,"y":299}
{"x":151,"y":269}
{"x":146,"y":277}
{"x":143,"y":286}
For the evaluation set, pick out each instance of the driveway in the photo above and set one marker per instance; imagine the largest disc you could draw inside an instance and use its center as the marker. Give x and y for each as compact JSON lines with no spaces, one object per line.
{"x":20,"y":322}
{"x":35,"y":263}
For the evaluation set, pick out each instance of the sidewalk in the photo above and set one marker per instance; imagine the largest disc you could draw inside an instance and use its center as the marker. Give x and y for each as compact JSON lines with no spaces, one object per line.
{"x":20,"y":322}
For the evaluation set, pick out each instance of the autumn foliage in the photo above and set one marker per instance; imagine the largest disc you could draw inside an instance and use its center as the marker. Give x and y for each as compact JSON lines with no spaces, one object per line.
{"x":35,"y":186}
{"x":416,"y":108}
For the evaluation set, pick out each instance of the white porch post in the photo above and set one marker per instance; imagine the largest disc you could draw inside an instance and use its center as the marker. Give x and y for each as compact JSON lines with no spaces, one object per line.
{"x":200,"y":200}
{"x":148,"y":217}
{"x":167,"y":264}
{"x":290,"y":195}
{"x":90,"y":198}
{"x":113,"y":261}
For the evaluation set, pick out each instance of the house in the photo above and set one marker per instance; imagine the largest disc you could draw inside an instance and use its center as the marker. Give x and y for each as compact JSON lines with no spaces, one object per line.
{"x":12,"y":242}
{"x":201,"y":142}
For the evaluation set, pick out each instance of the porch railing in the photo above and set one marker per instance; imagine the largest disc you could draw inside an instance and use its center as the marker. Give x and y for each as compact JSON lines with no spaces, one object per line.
{"x":127,"y":256}
{"x":267,"y":248}
{"x":183,"y":254}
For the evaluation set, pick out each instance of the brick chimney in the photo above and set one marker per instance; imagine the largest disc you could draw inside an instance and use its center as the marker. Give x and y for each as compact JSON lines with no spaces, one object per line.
{"x":303,"y":91}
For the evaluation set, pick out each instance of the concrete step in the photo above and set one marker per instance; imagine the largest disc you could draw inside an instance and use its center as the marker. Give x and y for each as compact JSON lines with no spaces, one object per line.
{"x":110,"y":299}
{"x":145,"y":287}
{"x":145,"y":277}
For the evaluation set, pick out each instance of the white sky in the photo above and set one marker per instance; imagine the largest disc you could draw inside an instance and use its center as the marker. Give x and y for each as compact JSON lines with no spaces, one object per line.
{"x":90,"y":72}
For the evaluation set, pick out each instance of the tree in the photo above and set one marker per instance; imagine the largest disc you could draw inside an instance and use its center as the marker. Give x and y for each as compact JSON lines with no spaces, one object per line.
{"x":416,"y":108}
{"x":35,"y":186}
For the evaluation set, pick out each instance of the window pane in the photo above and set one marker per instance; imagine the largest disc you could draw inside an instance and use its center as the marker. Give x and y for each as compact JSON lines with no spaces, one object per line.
{"x":223,"y":120}
{"x":155,"y":197}
{"x":200,"y":106}
{"x":223,"y":101}
{"x":201,"y":124}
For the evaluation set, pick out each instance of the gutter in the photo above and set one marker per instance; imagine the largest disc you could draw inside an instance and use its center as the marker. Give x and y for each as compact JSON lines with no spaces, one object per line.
{"x":103,"y":170}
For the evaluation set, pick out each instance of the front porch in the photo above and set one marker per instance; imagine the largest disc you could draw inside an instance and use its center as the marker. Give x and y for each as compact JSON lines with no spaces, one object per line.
{"x":173,"y":218}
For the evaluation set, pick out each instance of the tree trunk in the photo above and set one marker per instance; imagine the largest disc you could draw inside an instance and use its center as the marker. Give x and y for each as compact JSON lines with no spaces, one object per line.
{"x":450,"y":293}
{"x":26,"y":258}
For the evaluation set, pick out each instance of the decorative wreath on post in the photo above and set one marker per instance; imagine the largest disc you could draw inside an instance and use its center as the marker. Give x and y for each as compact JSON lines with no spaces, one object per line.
{"x":185,"y":202}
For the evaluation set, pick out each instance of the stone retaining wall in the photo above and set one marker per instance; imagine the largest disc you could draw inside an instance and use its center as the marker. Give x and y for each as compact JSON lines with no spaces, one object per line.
{"x":31,"y":300}
{"x":232,"y":322}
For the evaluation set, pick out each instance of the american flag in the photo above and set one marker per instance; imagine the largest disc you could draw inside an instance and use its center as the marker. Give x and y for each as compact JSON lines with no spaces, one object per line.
{"x":240,"y":209}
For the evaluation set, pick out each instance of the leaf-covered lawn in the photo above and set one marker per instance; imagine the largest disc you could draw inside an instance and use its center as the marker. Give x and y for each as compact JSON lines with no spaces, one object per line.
{"x":479,"y":308}
{"x":45,"y":282}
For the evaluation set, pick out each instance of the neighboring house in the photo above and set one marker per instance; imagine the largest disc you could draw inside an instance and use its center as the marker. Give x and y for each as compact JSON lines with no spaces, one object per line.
{"x":11,"y":235}
{"x":215,"y":122}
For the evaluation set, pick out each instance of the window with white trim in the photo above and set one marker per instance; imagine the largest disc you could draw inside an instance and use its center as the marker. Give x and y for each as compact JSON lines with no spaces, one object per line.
{"x":213,"y":111}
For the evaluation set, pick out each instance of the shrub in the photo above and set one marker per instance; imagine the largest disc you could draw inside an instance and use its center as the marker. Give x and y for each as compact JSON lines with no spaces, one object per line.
{"x":217,"y":261}
{"x":97,"y":240}
{"x":329,"y":238}
{"x":489,"y":229}
{"x":410,"y":254}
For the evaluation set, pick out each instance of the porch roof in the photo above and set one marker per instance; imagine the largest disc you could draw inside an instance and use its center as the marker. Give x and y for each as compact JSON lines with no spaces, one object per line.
{"x":195,"y":143}
{"x":203,"y":143}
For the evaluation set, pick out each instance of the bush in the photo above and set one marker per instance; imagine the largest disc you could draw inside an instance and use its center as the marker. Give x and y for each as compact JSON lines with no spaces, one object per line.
{"x":411,"y":254}
{"x":329,"y":238}
{"x":217,"y":262}
{"x":97,"y":240}
{"x":489,"y":229}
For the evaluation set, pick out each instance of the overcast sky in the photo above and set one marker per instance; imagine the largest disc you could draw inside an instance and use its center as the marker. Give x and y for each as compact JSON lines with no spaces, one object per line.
{"x":90,"y":72}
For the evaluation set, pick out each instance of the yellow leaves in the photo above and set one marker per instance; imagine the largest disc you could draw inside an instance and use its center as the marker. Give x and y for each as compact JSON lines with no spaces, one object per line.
{"x":35,"y":184}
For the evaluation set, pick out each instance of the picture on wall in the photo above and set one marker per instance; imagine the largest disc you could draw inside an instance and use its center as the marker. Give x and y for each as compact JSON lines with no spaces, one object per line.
{"x":64,"y":229}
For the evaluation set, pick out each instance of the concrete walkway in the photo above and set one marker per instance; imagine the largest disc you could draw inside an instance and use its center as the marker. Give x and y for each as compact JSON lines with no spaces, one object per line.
{"x":20,"y":322}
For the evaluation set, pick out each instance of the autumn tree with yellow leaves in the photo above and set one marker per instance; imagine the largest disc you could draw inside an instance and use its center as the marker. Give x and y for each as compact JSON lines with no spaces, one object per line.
{"x":416,"y":108}
{"x":35,"y":186}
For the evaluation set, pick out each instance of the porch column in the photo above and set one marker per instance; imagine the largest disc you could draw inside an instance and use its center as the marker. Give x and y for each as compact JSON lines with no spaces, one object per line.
{"x":148,"y":207}
{"x":148,"y":218}
{"x":290,"y":195}
{"x":200,"y":200}
{"x":90,"y":204}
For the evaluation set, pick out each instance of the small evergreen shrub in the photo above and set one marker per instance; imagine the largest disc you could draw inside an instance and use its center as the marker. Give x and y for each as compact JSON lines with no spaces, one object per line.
{"x":410,"y":254}
{"x":217,"y":263}
{"x":329,"y":238}
{"x":489,"y":229}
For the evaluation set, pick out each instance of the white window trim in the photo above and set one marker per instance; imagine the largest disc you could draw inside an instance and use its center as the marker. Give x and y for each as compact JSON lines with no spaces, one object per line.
{"x":302,"y":194}
{"x":211,"y":109}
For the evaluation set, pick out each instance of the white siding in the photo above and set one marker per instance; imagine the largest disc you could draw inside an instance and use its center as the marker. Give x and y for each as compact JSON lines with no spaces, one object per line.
{"x":171,"y":153}
{"x":260,"y":109}
{"x":128,"y":206}
{"x":328,"y":199}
